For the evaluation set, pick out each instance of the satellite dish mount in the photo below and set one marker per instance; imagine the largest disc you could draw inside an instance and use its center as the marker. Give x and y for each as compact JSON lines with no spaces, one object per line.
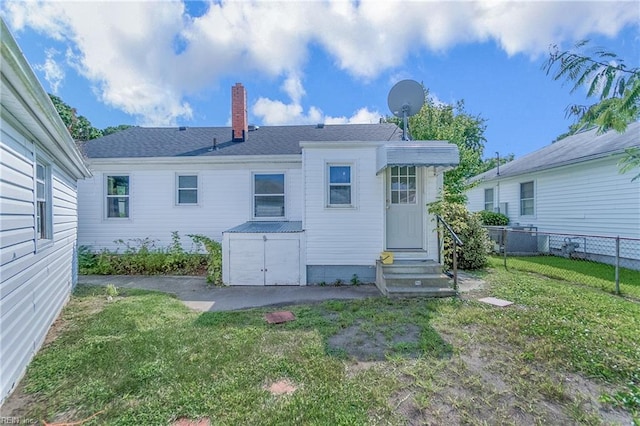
{"x":405,"y":99}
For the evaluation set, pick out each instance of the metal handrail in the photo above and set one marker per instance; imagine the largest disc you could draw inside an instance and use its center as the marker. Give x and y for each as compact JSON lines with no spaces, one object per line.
{"x":457,"y":243}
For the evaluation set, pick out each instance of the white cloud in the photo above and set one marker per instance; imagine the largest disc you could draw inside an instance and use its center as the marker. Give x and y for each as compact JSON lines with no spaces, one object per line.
{"x":126,"y":49}
{"x":275,"y":112}
{"x":53,"y":72}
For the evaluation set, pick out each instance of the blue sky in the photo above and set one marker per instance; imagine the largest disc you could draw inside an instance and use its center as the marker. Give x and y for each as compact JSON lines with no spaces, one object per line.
{"x":171,"y":63}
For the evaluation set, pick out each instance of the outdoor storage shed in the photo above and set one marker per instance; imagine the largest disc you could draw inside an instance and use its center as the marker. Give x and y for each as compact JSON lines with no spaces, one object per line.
{"x":264,"y":253}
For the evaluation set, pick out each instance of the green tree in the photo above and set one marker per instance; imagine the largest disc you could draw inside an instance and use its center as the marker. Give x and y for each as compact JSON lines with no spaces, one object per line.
{"x":492,"y":162}
{"x":438,"y":121}
{"x":610,"y":81}
{"x":79,"y":126}
{"x":114,"y":129}
{"x":606,"y":78}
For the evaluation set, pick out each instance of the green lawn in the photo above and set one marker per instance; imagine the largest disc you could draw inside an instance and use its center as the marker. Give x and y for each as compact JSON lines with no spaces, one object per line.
{"x":594,"y":274}
{"x":562,"y":354}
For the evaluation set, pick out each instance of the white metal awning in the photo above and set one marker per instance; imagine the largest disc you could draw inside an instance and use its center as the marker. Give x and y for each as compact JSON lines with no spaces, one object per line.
{"x":440,"y":154}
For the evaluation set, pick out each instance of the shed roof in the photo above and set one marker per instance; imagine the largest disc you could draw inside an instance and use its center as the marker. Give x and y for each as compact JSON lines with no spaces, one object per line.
{"x":584,"y":146}
{"x":257,"y":227}
{"x":138,"y":142}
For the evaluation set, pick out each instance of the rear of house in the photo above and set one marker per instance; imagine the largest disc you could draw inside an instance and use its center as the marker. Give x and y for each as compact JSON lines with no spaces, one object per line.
{"x":39,"y":167}
{"x":291,"y":204}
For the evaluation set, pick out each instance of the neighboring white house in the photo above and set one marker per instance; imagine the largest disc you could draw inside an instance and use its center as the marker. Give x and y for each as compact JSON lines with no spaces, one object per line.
{"x":572,"y":186}
{"x":39,"y":167}
{"x":291,"y":204}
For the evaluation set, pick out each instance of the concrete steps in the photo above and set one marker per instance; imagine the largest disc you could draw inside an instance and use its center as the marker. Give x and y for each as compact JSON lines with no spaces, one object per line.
{"x":413,"y":277}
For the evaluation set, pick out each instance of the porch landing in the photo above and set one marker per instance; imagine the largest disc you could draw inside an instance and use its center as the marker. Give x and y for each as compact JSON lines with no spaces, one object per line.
{"x":411,"y":275}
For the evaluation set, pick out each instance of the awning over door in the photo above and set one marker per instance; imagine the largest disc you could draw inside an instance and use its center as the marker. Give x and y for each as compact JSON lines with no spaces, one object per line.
{"x":418,"y":153}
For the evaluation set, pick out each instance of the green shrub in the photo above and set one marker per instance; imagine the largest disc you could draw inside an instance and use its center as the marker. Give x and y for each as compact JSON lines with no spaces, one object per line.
{"x":141,"y":257}
{"x":214,"y":257}
{"x":468,"y":227}
{"x":493,"y":219}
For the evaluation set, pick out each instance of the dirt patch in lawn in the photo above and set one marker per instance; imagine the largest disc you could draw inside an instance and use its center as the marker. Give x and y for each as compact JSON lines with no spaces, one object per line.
{"x":364,"y":344}
{"x":489,"y":382}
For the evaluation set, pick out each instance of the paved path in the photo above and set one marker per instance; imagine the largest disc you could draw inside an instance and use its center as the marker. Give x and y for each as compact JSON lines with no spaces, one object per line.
{"x":197,"y":295}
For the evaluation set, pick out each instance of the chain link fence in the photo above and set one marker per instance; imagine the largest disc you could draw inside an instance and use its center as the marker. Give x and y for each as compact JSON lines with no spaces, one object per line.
{"x":611,"y":263}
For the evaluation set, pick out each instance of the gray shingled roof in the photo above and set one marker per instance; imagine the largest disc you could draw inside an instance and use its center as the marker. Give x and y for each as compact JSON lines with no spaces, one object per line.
{"x":136,"y":142}
{"x":577,"y":148}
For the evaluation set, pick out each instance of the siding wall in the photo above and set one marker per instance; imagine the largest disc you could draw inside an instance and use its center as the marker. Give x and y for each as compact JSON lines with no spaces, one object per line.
{"x":35,"y":282}
{"x":343,"y":236}
{"x":590,"y":198}
{"x":224,"y":201}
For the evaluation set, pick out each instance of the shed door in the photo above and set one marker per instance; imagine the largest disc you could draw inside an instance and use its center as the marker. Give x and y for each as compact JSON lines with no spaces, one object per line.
{"x":282,"y":262}
{"x":264,"y":261}
{"x":405,"y":209}
{"x":246,"y":262}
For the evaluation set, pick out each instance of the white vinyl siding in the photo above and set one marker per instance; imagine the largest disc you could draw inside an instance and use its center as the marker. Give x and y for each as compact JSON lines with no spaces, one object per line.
{"x":527,"y":199}
{"x":488,"y":199}
{"x":343,"y":236}
{"x":340,"y":185}
{"x":35,"y":284}
{"x":117,"y":196}
{"x":225,"y":200}
{"x":269,"y":199}
{"x":186,"y":189}
{"x":591,"y":198}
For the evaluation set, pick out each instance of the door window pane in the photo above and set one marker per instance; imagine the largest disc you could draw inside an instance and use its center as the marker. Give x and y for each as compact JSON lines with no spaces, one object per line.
{"x":403,"y":185}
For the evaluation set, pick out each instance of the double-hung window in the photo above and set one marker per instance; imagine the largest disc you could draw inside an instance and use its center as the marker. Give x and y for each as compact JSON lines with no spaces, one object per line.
{"x":187,"y":189}
{"x":118,"y":195}
{"x":488,"y":199}
{"x":268,"y":195}
{"x":44,"y":218}
{"x":527,"y":199}
{"x":340,"y":185}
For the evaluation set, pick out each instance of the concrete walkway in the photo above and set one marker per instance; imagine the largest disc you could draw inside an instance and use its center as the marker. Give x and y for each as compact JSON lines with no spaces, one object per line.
{"x":197,"y":295}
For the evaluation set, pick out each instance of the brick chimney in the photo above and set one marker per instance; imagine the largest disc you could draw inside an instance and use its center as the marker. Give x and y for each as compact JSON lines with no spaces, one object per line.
{"x":239,"y":123}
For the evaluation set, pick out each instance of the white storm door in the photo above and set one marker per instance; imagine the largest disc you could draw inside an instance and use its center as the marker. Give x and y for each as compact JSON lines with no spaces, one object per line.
{"x":282,"y":261}
{"x":405,"y":210}
{"x":246,"y":262}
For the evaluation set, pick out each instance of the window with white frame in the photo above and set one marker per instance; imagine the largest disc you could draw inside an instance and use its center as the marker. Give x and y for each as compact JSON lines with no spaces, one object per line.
{"x":527,"y":200}
{"x":44,"y":219}
{"x":488,"y":199}
{"x":268,"y":195}
{"x":187,"y":189}
{"x":340,"y":185}
{"x":118,"y":196}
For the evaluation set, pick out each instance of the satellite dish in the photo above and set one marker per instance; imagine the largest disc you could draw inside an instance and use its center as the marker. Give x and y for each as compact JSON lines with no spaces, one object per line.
{"x":405,"y":99}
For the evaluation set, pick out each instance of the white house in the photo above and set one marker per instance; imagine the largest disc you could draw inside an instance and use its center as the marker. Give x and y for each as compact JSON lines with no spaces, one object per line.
{"x":39,"y":167}
{"x":291,"y":204}
{"x":572,"y":186}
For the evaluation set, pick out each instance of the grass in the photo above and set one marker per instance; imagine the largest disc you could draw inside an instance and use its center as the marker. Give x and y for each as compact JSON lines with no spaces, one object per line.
{"x":594,"y":274}
{"x":563,"y":353}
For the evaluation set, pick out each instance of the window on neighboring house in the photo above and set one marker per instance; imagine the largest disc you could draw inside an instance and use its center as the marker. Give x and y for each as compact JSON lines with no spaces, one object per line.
{"x":268,"y":195}
{"x":527,"y":201}
{"x":187,"y":189}
{"x":44,"y":219}
{"x":488,"y":199}
{"x":118,"y":196}
{"x":340,"y":185}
